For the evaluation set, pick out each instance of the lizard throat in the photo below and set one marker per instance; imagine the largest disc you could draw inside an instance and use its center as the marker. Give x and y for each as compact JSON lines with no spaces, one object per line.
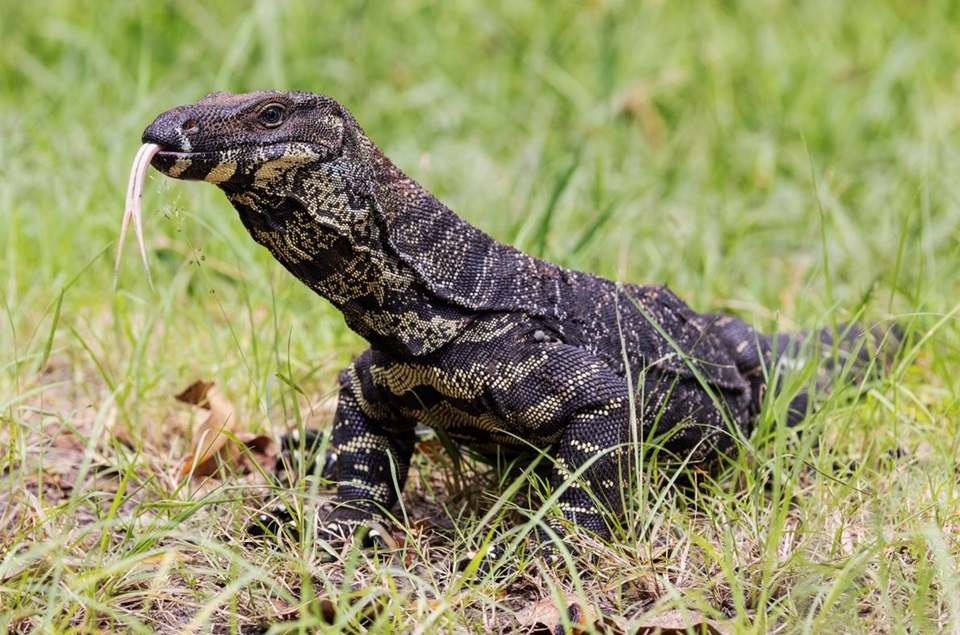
{"x":342,"y":255}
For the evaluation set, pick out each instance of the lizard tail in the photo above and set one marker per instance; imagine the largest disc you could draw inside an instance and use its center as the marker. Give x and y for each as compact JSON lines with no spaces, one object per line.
{"x":849,"y":356}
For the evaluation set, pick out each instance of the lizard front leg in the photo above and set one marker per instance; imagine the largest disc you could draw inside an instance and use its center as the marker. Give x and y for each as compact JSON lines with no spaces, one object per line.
{"x":373,"y":448}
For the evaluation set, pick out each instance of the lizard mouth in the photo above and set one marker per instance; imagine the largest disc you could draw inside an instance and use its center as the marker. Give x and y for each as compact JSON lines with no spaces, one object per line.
{"x":220,"y":166}
{"x":213,"y":167}
{"x":189,"y":166}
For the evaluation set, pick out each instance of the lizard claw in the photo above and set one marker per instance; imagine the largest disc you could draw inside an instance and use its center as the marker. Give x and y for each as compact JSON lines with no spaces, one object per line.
{"x":375,"y":540}
{"x":498,"y":562}
{"x":275,"y":521}
{"x":279,"y":520}
{"x":304,"y":450}
{"x":367,"y":534}
{"x":493,"y":561}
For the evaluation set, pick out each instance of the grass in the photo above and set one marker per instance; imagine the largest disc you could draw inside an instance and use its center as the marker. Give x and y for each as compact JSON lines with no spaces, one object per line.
{"x":794,"y":163}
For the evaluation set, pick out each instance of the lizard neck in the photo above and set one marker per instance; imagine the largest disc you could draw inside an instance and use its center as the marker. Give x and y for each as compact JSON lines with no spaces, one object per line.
{"x":405,"y":271}
{"x":455,"y":260}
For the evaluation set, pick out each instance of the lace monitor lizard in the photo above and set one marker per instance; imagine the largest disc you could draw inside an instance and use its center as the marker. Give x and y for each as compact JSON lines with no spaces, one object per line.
{"x":503,"y":351}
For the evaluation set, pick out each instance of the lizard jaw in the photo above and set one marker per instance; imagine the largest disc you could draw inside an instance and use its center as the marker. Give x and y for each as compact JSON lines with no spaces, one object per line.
{"x":250,"y":164}
{"x":193,"y":166}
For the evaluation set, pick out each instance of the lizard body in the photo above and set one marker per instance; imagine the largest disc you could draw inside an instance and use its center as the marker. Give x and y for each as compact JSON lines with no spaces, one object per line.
{"x":503,"y":351}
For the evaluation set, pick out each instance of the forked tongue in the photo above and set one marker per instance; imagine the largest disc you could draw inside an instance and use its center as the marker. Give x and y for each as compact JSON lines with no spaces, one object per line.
{"x":133,"y":211}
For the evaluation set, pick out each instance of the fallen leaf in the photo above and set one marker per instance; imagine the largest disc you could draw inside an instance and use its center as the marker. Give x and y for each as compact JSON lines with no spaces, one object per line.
{"x":547,"y":618}
{"x":283,"y":610}
{"x":369,"y":609}
{"x":263,"y":449}
{"x":196,"y":393}
{"x":677,"y":622}
{"x":213,"y":440}
{"x":328,"y":610}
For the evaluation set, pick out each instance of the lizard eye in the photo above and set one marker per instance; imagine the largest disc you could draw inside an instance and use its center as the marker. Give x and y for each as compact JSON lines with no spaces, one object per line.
{"x":271,"y":116}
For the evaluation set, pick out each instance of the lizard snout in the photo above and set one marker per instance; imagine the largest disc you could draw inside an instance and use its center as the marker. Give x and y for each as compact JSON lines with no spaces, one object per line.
{"x":173,"y":130}
{"x":183,"y":153}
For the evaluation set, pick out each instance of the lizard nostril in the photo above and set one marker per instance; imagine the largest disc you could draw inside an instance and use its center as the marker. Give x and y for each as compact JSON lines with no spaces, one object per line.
{"x":190,"y":126}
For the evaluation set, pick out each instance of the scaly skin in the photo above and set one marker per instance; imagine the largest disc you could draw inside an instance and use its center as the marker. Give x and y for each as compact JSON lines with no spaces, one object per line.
{"x":505,"y":352}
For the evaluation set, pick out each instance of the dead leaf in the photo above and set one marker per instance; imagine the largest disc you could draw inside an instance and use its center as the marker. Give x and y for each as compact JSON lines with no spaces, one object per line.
{"x":678,"y":622}
{"x":196,"y":393}
{"x":545,"y":617}
{"x":213,"y":447}
{"x":370,"y":607}
{"x":263,"y":449}
{"x":328,"y":610}
{"x":283,"y":610}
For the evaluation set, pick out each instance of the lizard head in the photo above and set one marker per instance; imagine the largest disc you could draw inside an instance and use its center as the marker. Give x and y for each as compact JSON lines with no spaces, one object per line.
{"x":274,"y":154}
{"x":248,"y":140}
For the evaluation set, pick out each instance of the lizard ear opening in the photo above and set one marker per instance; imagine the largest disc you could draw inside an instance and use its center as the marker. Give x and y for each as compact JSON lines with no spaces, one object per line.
{"x":332,"y":133}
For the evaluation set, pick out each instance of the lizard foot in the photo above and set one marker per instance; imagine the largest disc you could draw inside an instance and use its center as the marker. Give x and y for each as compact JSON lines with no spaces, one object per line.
{"x":300,"y":454}
{"x":368,"y":536}
{"x":491,"y":561}
{"x":275,"y":521}
{"x":348,"y":526}
{"x":306,"y":453}
{"x":279,"y":520}
{"x":503,"y":562}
